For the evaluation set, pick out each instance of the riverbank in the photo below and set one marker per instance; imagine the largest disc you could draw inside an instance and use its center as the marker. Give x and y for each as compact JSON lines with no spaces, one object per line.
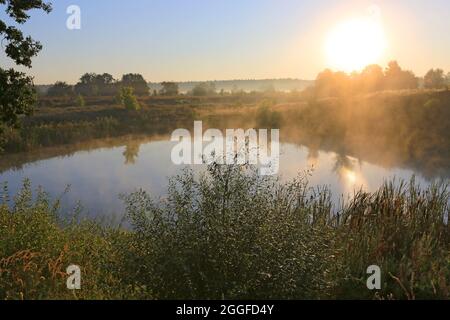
{"x":232,"y":235}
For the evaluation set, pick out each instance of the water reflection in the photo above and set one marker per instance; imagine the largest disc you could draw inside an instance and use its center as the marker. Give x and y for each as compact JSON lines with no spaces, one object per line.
{"x":99,"y":171}
{"x":350,"y":171}
{"x":131,"y":152}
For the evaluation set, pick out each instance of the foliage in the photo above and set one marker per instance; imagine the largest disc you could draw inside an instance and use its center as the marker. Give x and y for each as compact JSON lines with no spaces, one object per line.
{"x":434,"y":79}
{"x":128,"y":99}
{"x":16,"y":93}
{"x":137,"y":82}
{"x":204,"y":89}
{"x":60,"y":89}
{"x":92,"y":84}
{"x":232,"y":234}
{"x":371,"y":79}
{"x":80,"y":101}
{"x":69,"y":126}
{"x":17,"y":96}
{"x":408,"y":129}
{"x":169,"y":89}
{"x":266,"y":117}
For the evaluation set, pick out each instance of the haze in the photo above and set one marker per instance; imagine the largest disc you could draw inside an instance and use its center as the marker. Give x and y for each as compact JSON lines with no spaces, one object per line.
{"x":206,"y":40}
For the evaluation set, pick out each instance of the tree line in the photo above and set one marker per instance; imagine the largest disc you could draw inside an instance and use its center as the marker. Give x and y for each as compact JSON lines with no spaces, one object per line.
{"x":93,"y":85}
{"x":327,"y":84}
{"x":373,"y":78}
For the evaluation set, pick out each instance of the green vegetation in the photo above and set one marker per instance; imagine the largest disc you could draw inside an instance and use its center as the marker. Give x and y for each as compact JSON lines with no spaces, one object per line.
{"x":406,"y":129}
{"x":80,"y":101}
{"x":80,"y":124}
{"x":169,"y":89}
{"x":266,"y":117}
{"x":128,"y":99}
{"x":232,"y":234}
{"x":17,"y":94}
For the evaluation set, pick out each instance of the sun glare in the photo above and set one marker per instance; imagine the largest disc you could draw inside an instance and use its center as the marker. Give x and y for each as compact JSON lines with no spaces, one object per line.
{"x":356,"y":43}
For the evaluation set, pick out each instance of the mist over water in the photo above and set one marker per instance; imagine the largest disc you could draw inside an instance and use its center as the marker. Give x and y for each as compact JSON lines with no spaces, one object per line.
{"x":98,"y":173}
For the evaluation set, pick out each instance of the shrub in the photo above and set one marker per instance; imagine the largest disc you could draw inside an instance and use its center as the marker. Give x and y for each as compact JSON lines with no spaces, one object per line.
{"x":80,"y":101}
{"x":231,"y":234}
{"x":267,"y":118}
{"x":128,"y":99}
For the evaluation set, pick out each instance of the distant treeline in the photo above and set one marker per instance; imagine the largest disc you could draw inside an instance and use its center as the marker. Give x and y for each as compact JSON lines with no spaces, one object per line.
{"x":238,"y":86}
{"x":94,"y":85}
{"x":372,"y":79}
{"x":327,"y":84}
{"x":91,"y":84}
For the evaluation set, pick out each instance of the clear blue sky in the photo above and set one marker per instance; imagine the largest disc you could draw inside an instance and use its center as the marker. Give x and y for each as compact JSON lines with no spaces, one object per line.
{"x":224,"y":39}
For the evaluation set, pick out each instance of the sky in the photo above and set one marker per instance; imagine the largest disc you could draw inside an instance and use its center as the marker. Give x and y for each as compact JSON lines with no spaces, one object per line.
{"x":182,"y":40}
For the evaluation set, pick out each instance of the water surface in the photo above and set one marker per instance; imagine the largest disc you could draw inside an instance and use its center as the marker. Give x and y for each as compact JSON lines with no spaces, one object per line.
{"x":98,"y":172}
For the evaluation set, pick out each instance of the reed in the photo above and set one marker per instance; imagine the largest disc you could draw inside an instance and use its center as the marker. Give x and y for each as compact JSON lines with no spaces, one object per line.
{"x":232,"y":234}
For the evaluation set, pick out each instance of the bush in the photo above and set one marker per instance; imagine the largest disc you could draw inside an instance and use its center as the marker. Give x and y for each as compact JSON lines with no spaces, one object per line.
{"x":80,"y":101}
{"x":38,"y":245}
{"x":127,"y":99}
{"x":232,"y":235}
{"x":267,"y":118}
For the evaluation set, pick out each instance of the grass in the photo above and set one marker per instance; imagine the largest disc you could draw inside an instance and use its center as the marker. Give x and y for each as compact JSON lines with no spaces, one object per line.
{"x":232,"y":234}
{"x":81,"y":125}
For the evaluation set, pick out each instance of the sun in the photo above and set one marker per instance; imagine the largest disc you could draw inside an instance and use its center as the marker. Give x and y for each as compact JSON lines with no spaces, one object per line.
{"x":355,"y":43}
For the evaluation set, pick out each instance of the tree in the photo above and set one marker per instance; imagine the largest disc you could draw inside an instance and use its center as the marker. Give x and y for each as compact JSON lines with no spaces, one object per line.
{"x":169,"y":89}
{"x":371,"y":79}
{"x":60,"y":89}
{"x":434,"y":79}
{"x":17,"y":94}
{"x":204,"y":89}
{"x":127,"y":98}
{"x":137,"y":82}
{"x":332,"y":84}
{"x":86,"y":85}
{"x":396,"y":78}
{"x":91,"y":84}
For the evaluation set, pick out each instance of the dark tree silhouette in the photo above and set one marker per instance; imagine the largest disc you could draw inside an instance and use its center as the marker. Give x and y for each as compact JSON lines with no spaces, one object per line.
{"x":17,"y":94}
{"x":60,"y":89}
{"x":137,"y":82}
{"x":169,"y":89}
{"x":371,"y":79}
{"x":204,"y":89}
{"x":92,"y":84}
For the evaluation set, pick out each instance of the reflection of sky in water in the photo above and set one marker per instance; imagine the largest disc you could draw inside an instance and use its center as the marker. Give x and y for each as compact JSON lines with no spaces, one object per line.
{"x":98,"y":177}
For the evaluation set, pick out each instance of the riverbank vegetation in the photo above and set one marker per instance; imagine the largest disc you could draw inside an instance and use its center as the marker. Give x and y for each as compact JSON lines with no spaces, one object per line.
{"x":404,"y":129}
{"x":232,"y":234}
{"x":391,"y":128}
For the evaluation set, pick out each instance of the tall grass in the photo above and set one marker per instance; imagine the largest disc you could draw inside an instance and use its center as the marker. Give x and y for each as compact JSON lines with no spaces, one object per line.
{"x":79,"y":126}
{"x":233,"y":234}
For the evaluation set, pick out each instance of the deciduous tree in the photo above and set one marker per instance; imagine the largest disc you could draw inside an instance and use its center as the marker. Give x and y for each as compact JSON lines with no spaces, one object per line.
{"x":17,"y":94}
